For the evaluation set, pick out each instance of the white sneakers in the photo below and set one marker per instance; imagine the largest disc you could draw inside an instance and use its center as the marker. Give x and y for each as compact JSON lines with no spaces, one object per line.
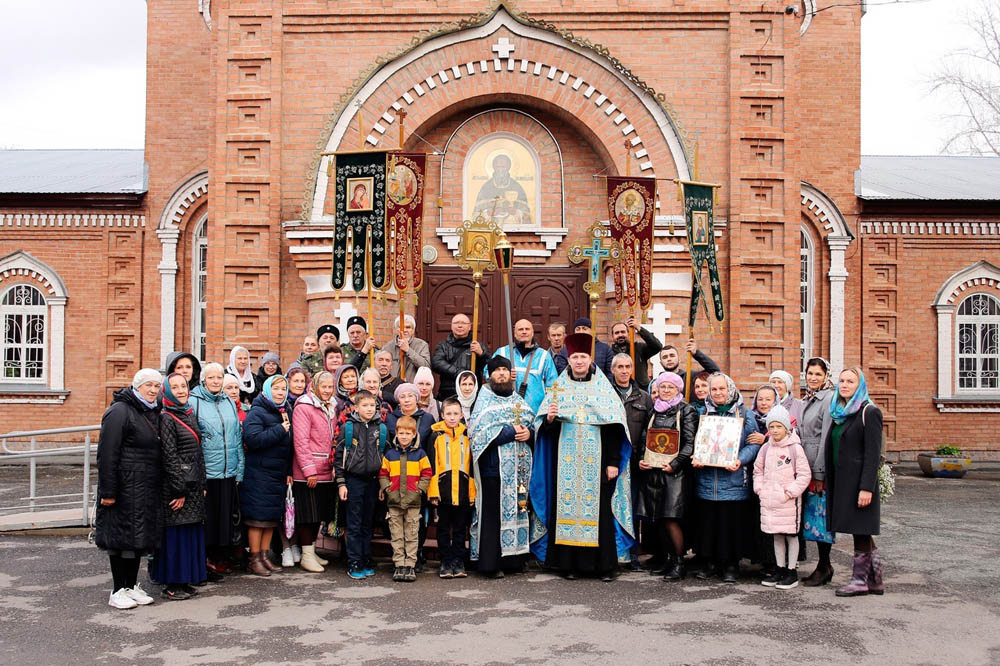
{"x":121,"y":600}
{"x":139,"y":595}
{"x":287,"y":559}
{"x":124,"y":599}
{"x":296,"y":554}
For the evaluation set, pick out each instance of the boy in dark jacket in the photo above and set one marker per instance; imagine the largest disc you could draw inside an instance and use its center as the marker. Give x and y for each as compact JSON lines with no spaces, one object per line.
{"x":357,"y":461}
{"x":404,"y":478}
{"x":452,"y":490}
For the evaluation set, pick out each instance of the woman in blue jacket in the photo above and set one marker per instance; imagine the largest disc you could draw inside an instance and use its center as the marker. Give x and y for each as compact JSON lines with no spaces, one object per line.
{"x":268,"y":440}
{"x":222,"y":444}
{"x":726,"y":513}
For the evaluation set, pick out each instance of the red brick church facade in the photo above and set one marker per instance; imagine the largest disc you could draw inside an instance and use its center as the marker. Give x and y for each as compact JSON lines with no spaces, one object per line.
{"x":230,"y":244}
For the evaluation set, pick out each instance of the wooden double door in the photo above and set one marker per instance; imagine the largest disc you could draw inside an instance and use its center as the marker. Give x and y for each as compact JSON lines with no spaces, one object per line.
{"x":539,"y":294}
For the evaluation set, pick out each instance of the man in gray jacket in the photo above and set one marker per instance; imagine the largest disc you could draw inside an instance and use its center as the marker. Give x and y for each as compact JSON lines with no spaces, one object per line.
{"x":416,"y":351}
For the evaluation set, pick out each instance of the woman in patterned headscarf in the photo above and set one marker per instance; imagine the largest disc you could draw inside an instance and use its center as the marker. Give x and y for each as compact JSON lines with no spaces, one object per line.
{"x":726,"y":513}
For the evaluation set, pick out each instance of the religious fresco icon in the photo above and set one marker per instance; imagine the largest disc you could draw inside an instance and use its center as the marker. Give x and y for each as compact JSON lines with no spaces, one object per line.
{"x":360,"y":190}
{"x":402,"y":184}
{"x":699,"y":227}
{"x":501,"y":182}
{"x":630,"y":207}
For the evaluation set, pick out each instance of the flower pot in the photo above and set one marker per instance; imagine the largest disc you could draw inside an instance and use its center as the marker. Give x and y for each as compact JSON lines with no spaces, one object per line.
{"x":943,"y":466}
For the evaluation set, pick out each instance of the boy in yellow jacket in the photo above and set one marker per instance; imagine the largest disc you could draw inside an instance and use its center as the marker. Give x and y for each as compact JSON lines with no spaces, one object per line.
{"x":452,"y":488}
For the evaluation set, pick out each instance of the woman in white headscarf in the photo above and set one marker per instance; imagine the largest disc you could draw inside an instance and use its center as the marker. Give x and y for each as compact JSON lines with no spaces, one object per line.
{"x":239,"y":367}
{"x":784,"y":385}
{"x":466,"y":390}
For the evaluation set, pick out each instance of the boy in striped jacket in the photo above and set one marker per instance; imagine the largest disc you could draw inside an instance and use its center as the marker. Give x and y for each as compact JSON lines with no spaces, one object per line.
{"x":404,"y":479}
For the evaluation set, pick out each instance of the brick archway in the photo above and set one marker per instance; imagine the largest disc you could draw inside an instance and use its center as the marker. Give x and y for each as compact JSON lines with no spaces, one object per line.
{"x":501,"y":57}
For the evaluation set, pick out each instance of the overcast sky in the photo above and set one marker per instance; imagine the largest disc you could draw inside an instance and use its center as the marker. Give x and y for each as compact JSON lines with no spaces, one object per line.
{"x":74,"y":73}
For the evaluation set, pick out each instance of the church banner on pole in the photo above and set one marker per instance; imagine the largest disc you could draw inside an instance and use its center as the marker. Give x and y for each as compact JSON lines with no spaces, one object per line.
{"x":631,"y":207}
{"x":699,"y":199}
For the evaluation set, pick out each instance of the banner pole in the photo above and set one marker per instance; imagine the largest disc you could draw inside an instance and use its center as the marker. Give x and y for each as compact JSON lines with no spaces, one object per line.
{"x":475,"y":319}
{"x":368,"y":281}
{"x":688,"y":382}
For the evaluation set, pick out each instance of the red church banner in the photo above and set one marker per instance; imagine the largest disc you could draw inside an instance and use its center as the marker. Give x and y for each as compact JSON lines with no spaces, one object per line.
{"x":404,"y":210}
{"x":631,"y":206}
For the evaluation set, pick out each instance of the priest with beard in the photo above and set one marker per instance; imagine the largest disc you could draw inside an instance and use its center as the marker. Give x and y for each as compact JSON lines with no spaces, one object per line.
{"x":580,"y":486}
{"x":501,"y":435}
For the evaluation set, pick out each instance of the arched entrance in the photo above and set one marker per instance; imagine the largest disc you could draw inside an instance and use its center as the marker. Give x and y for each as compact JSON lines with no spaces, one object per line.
{"x":576,"y":112}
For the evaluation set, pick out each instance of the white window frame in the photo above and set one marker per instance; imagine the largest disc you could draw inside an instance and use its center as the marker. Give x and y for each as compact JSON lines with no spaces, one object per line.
{"x":807,"y":297}
{"x":22,"y":268}
{"x":23,"y":311}
{"x":977,"y":320}
{"x":199,"y":301}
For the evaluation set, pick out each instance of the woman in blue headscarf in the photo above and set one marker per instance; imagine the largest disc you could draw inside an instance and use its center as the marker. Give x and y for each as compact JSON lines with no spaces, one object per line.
{"x":853,"y":450}
{"x":268,"y":440}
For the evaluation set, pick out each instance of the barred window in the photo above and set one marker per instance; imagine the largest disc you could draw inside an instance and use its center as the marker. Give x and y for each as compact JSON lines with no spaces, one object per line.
{"x":200,"y":281}
{"x":977,"y":326}
{"x":23,"y":312}
{"x":805,"y":300}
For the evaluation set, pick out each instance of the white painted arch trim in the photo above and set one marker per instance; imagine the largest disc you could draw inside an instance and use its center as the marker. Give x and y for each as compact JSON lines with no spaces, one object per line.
{"x":981,"y":274}
{"x":838,"y":237}
{"x":22,"y":266}
{"x":168,"y":231}
{"x":502,"y":19}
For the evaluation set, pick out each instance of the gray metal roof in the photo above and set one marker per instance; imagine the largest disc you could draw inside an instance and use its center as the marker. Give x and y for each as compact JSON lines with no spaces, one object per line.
{"x":72,"y":172}
{"x":932,"y":177}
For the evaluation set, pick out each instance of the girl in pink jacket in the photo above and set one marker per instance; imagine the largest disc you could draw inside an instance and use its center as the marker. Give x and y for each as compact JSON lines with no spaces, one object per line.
{"x":780,"y":475}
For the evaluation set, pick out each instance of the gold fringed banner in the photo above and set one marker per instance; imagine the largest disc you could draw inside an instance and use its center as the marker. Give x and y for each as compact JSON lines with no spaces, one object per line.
{"x":631,"y":207}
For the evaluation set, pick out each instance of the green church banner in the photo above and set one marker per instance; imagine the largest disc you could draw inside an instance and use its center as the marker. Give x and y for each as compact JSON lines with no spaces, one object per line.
{"x":359,"y":184}
{"x":698,"y":216}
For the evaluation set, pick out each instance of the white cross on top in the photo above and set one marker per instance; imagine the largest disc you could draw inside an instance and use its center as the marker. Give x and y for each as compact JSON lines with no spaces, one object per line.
{"x":503,"y":47}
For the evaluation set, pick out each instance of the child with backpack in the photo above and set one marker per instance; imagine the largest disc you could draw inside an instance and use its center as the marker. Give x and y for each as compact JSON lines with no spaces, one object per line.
{"x":357,"y":460}
{"x":404,"y":478}
{"x":780,"y":475}
{"x":452,"y":489}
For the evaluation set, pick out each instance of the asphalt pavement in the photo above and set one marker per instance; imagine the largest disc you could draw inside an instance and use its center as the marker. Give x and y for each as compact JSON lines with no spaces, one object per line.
{"x":941,"y":606}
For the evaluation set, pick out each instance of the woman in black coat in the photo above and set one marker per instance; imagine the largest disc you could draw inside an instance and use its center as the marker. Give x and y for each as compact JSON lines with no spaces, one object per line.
{"x":268,"y":441}
{"x":180,"y":562}
{"x":664,"y":490}
{"x":853,"y":450}
{"x":129,"y":515}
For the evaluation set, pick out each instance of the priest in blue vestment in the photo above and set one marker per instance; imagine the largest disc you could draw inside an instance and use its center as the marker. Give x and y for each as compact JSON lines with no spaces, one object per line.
{"x":580,"y":484}
{"x":501,"y":435}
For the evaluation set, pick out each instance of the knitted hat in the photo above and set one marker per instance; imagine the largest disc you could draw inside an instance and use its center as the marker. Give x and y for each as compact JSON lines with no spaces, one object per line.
{"x":671,"y":378}
{"x":785,"y":378}
{"x":146,"y":375}
{"x":780,"y":415}
{"x":269,"y":357}
{"x":406,"y":388}
{"x":582,"y":321}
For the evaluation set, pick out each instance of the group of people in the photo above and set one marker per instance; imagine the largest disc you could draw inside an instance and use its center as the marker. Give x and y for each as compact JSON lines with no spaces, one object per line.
{"x":525,"y":453}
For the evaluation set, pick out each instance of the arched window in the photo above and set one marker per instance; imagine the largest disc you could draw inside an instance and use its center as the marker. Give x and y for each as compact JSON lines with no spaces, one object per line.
{"x":24,"y":315}
{"x":199,"y":282}
{"x":806,"y":298}
{"x":977,"y":327}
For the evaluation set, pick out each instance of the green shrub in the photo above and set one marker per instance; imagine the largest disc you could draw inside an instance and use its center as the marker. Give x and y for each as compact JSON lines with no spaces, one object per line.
{"x":948,"y":451}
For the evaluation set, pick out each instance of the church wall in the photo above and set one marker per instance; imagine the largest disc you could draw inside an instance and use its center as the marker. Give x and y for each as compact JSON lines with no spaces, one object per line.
{"x":105,"y":279}
{"x":907,"y":259}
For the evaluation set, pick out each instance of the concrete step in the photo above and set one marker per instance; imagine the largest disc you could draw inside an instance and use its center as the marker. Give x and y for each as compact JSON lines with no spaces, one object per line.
{"x":39,"y":520}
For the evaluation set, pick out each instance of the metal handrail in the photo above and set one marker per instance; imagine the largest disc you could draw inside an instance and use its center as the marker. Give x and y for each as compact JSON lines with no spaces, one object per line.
{"x":33,"y":453}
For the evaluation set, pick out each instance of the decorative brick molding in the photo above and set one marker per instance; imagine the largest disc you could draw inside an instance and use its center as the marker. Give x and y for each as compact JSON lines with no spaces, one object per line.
{"x":896,"y":228}
{"x":424,"y":95}
{"x":70,"y":220}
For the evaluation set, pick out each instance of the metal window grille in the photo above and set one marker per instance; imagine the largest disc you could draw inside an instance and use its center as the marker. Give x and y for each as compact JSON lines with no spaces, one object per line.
{"x":24,"y":316}
{"x":978,"y":325}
